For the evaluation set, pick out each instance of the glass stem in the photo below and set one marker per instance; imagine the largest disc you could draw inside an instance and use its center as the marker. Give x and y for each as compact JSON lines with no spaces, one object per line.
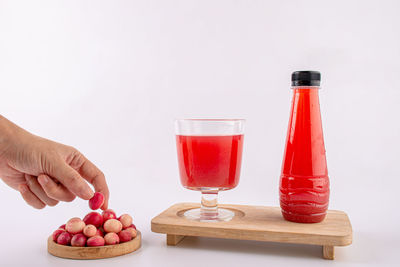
{"x":209,"y":205}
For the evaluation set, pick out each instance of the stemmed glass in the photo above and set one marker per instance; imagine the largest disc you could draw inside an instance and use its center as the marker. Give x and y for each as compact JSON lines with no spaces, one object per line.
{"x":209,"y":157}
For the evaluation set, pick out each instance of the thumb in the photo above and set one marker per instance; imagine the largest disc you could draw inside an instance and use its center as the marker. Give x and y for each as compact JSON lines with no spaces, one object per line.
{"x":72,"y":180}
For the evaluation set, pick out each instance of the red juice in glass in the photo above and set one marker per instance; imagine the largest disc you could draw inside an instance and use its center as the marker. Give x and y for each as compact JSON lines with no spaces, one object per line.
{"x":304,"y":182}
{"x":209,"y":161}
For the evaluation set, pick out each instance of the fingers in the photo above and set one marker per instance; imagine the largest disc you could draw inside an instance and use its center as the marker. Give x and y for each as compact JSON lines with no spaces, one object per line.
{"x":55,"y":190}
{"x":30,"y":198}
{"x":71,"y":179}
{"x":37,"y":189}
{"x":94,"y":176}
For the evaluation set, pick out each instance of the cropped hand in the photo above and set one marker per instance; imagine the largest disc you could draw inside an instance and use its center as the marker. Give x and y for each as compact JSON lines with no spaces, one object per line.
{"x":46,"y":172}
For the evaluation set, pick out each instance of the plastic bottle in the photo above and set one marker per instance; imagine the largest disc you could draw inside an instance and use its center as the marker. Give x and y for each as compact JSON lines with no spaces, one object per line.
{"x":304,"y":182}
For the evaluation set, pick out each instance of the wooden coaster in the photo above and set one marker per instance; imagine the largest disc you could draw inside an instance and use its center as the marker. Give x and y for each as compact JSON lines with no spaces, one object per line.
{"x":91,"y":253}
{"x":257,"y":223}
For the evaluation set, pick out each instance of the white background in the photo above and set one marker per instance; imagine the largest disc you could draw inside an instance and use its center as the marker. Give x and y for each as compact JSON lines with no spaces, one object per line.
{"x":110,"y":77}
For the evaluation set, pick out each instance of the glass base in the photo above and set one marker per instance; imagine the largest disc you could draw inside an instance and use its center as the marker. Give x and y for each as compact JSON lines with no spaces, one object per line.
{"x":222,"y":215}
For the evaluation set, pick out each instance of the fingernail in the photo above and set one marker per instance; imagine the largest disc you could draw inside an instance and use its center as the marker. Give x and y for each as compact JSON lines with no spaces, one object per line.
{"x":43,"y":179}
{"x":22,"y":188}
{"x":89,"y":194}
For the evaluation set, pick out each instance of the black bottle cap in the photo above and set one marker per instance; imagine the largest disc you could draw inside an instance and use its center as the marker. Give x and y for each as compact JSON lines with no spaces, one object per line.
{"x":306,"y":78}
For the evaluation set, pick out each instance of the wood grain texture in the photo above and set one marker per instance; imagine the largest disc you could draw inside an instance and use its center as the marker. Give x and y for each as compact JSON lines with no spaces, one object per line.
{"x":173,"y":240}
{"x":258,"y":223}
{"x":90,"y":253}
{"x":328,"y":252}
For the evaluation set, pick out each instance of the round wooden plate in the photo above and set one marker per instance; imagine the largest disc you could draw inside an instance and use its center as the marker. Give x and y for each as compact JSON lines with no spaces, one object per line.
{"x":90,"y":253}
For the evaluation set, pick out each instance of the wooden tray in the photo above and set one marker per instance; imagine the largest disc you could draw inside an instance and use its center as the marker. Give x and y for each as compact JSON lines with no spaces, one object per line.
{"x":91,"y":253}
{"x":257,"y":223}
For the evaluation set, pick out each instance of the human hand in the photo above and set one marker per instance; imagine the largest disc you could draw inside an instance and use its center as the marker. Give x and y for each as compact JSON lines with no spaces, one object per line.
{"x":46,"y":172}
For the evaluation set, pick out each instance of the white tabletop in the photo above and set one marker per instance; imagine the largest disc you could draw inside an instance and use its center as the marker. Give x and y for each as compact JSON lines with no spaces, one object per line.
{"x":25,"y":232}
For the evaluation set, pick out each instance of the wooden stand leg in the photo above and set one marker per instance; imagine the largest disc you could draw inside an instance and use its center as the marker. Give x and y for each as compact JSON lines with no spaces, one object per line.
{"x":328,"y":252}
{"x":173,"y":240}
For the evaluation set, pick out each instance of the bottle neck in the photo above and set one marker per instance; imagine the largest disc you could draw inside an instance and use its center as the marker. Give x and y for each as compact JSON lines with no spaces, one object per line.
{"x":307,"y":88}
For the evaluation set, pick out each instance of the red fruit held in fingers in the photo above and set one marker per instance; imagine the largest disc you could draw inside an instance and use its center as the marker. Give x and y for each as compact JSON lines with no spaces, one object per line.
{"x":78,"y":240}
{"x":56,"y":233}
{"x":109,"y":214}
{"x":96,"y":201}
{"x":95,"y":241}
{"x":64,"y":239}
{"x":94,"y":218}
{"x":124,"y":236}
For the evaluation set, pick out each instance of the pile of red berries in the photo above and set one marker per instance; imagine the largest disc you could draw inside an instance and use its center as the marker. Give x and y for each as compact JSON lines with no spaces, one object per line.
{"x":96,"y":229}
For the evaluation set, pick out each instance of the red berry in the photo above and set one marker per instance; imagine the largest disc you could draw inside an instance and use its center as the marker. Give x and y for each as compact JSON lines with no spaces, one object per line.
{"x":64,"y":239}
{"x":94,"y":218}
{"x":109,"y":214}
{"x":131,"y":226}
{"x":75,"y":225}
{"x":111,"y":239}
{"x":90,"y":230}
{"x":132,"y":231}
{"x":113,"y":226}
{"x":124,"y":236}
{"x":99,"y":233}
{"x":56,"y":233}
{"x":96,"y":201}
{"x":126,"y":220}
{"x":78,"y":240}
{"x":95,"y":241}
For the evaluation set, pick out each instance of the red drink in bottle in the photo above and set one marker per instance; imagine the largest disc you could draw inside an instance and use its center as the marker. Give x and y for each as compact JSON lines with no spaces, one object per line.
{"x":304,"y":182}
